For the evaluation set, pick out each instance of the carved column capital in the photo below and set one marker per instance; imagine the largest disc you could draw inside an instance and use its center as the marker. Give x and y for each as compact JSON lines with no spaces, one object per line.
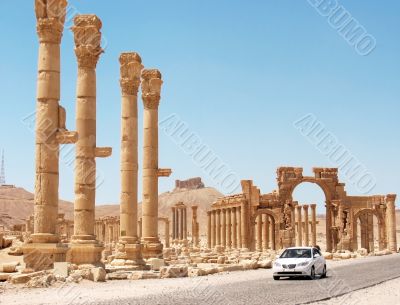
{"x":131,"y":68}
{"x":87,"y":38}
{"x":151,"y":88}
{"x":50,"y":16}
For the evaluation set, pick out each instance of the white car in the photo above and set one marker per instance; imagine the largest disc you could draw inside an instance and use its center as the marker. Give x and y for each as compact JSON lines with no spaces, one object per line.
{"x":299,"y":262}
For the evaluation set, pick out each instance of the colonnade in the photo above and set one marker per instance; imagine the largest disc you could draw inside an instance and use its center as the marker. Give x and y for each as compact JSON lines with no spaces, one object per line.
{"x":304,"y":226}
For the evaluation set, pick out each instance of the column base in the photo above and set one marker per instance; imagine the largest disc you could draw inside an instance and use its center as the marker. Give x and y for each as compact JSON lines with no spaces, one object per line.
{"x":152,"y":248}
{"x":87,"y":252}
{"x":42,"y":256}
{"x":45,"y":238}
{"x":131,"y":253}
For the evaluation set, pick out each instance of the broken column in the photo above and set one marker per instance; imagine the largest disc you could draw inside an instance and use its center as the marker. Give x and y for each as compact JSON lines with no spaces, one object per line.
{"x":85,"y":249}
{"x":391,"y":222}
{"x":50,"y":133}
{"x":151,"y":90}
{"x":129,"y":246}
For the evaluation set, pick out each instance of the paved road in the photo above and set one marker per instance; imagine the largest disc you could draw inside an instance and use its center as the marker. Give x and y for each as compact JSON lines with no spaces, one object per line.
{"x":251,"y":287}
{"x":341,"y":280}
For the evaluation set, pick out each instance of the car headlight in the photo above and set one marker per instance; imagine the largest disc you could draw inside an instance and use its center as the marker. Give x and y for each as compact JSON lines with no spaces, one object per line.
{"x":303,"y":264}
{"x":277,"y":265}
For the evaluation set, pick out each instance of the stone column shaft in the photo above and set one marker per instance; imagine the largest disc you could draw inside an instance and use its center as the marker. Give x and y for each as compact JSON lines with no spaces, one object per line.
{"x":167,"y":241}
{"x":234,"y":229}
{"x":259,"y":239}
{"x":209,"y":230}
{"x":218,"y":228}
{"x":266,"y":230}
{"x":299,"y":225}
{"x":213,"y":229}
{"x":306,"y":226}
{"x":244,"y":225}
{"x":391,"y":222}
{"x":184,"y":223}
{"x":228,"y":229}
{"x":151,"y":90}
{"x":223,"y":228}
{"x":239,"y":228}
{"x":50,"y":120}
{"x":314,"y":224}
{"x":173,"y":223}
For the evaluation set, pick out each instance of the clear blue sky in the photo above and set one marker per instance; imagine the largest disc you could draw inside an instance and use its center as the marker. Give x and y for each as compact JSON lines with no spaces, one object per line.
{"x":238,"y":72}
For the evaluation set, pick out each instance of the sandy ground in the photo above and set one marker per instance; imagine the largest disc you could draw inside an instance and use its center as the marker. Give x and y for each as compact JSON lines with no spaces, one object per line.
{"x":386,"y":293}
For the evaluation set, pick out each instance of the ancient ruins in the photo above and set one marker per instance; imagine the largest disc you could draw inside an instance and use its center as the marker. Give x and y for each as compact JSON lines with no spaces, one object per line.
{"x":274,"y":221}
{"x":244,"y":231}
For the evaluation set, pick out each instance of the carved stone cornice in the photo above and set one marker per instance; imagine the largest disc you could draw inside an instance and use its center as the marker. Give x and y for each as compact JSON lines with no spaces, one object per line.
{"x":151,"y":88}
{"x":131,"y":68}
{"x":87,"y":37}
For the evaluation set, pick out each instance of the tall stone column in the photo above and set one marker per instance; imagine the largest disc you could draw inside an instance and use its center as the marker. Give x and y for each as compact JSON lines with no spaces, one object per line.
{"x":228,"y":229}
{"x":140,"y":228}
{"x":130,"y":248}
{"x":239,"y":228}
{"x":173,"y":224}
{"x":151,"y":90}
{"x":195,"y":227}
{"x":85,"y":249}
{"x":209,"y":230}
{"x":299,"y":225}
{"x":185,"y":223}
{"x":391,"y":221}
{"x":314,"y":224}
{"x":259,"y":238}
{"x":181,"y":225}
{"x":218,"y":228}
{"x":234,"y":229}
{"x":265,"y":236}
{"x":166,"y":233}
{"x":50,"y":133}
{"x":223,"y":228}
{"x":177,"y":222}
{"x":244,"y":225}
{"x":213,"y":229}
{"x":306,"y":226}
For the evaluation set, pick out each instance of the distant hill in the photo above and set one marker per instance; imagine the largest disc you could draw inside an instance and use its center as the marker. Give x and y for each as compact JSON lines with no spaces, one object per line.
{"x":16,"y":205}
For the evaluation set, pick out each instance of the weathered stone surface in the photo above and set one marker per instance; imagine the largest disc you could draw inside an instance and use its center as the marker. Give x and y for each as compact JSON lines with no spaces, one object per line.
{"x":265,"y":264}
{"x":98,"y":274}
{"x":156,"y":263}
{"x":24,"y":278}
{"x":195,"y":272}
{"x":249,"y":264}
{"x":9,"y":267}
{"x":120,"y":275}
{"x":144,"y":275}
{"x":42,"y":281}
{"x":174,"y":272}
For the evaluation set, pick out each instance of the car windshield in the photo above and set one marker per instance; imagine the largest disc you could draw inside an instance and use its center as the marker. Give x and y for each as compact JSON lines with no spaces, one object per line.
{"x":296,"y":253}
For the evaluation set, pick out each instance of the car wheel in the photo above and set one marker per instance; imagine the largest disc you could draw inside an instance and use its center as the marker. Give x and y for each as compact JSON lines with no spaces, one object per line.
{"x":312,"y":274}
{"x":323,"y":275}
{"x":277,"y":278}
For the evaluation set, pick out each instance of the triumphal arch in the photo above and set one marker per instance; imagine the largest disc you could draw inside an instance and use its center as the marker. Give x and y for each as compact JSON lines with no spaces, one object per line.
{"x":274,"y":221}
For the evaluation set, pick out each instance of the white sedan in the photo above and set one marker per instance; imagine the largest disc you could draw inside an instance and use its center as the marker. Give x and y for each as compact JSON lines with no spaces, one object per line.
{"x":299,"y":262}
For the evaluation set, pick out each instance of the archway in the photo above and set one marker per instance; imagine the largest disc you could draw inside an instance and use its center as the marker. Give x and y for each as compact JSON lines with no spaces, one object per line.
{"x":264,"y":229}
{"x":312,"y":200}
{"x":368,"y":231}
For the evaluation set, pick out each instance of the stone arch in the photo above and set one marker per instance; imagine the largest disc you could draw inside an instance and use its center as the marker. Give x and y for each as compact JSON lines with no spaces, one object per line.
{"x":381,"y":229}
{"x":274,"y":224}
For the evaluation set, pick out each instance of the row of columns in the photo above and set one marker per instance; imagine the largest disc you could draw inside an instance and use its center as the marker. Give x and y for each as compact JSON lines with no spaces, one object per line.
{"x":179,"y":223}
{"x":51,"y":133}
{"x":265,"y":237}
{"x":303,"y":225}
{"x":227,"y":227}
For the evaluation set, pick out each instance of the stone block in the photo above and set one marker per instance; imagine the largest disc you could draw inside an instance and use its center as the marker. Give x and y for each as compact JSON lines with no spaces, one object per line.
{"x":61,"y":269}
{"x":98,"y":274}
{"x":156,"y":263}
{"x":174,"y":272}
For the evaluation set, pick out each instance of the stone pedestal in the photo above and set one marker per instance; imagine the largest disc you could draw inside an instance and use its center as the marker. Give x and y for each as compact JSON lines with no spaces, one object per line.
{"x":85,"y":249}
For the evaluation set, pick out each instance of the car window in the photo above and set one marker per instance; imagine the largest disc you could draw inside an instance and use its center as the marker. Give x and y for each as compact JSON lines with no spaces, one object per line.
{"x":296,"y":253}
